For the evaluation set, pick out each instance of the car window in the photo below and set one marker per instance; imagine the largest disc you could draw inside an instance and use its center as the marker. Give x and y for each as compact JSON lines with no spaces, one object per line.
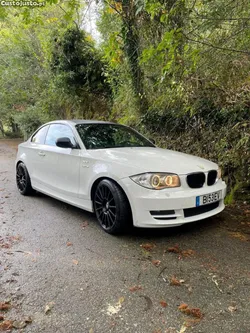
{"x":101,"y":136}
{"x":57,"y":131}
{"x":40,"y":135}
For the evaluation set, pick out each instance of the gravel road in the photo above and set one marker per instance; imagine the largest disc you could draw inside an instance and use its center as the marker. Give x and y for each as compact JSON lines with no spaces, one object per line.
{"x":60,"y":269}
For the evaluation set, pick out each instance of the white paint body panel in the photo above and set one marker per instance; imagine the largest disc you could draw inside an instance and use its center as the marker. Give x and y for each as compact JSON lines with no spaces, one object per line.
{"x":69,"y":174}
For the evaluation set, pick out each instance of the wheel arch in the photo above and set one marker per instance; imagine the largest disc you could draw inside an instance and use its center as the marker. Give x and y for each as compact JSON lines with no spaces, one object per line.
{"x":18,"y":162}
{"x":98,"y":180}
{"x":21,"y":161}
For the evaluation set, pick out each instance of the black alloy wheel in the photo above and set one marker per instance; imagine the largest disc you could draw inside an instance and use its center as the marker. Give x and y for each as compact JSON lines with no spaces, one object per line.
{"x":111,"y":207}
{"x":23,"y":180}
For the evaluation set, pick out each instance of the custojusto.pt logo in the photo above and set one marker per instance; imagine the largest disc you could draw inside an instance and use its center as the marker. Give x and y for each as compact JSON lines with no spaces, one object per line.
{"x":22,"y":3}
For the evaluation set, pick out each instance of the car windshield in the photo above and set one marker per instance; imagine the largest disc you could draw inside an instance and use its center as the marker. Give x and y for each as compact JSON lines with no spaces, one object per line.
{"x":100,"y":136}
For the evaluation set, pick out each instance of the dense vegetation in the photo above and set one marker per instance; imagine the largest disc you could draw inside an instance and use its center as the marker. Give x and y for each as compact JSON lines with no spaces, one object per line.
{"x":178,"y":70}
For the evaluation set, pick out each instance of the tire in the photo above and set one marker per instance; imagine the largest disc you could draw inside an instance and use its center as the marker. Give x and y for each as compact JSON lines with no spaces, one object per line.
{"x":23,"y":180}
{"x":112,"y":208}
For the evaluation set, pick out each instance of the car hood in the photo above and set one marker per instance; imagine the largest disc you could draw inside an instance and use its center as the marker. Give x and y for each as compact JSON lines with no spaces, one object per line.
{"x":150,"y":159}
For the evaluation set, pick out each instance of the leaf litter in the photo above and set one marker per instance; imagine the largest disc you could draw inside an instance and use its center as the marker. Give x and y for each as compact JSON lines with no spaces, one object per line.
{"x":183,"y":253}
{"x":194,"y":312}
{"x":156,"y":263}
{"x":5,"y":306}
{"x":48,"y":307}
{"x":135,"y":288}
{"x":164,"y":304}
{"x":114,"y":309}
{"x":148,"y":246}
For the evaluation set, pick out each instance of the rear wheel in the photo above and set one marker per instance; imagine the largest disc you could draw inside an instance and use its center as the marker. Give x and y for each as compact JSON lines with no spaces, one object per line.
{"x":23,"y":180}
{"x":111,"y":207}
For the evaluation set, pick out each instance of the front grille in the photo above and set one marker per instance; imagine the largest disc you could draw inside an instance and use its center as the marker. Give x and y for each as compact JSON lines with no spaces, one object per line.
{"x":211,"y":177}
{"x":201,"y":209}
{"x":196,"y":180}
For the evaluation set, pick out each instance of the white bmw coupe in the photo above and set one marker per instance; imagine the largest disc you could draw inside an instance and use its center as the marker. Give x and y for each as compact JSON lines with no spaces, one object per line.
{"x":118,"y":174}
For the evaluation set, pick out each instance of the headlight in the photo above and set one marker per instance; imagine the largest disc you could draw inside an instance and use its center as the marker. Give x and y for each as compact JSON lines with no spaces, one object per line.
{"x":157,"y":181}
{"x":219,"y":174}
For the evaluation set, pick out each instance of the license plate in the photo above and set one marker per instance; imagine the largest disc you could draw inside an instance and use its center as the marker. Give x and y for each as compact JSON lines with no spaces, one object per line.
{"x":208,"y":198}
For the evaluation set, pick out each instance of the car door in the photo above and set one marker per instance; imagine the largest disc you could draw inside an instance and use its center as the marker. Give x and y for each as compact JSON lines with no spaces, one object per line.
{"x":35,"y":159}
{"x":61,"y":173}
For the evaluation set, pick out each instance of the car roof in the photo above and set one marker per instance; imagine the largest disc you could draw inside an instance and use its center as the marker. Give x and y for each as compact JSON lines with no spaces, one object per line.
{"x":80,"y":121}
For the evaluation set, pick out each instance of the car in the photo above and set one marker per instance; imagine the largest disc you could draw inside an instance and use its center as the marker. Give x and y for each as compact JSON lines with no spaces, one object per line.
{"x":118,"y":174}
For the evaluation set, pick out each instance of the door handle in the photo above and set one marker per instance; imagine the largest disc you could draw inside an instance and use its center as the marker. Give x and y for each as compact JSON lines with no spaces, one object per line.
{"x":41,"y":153}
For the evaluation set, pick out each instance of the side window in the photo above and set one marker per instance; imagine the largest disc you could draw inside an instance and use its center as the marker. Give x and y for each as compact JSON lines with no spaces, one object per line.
{"x":57,"y":131}
{"x":39,"y":137}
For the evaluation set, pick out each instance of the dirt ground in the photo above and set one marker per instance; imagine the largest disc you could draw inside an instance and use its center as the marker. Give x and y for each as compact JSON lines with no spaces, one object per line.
{"x":59,"y":272}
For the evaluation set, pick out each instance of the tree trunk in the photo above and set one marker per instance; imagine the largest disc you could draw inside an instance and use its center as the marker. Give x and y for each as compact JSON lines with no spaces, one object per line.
{"x":132,"y":50}
{"x":1,"y":128}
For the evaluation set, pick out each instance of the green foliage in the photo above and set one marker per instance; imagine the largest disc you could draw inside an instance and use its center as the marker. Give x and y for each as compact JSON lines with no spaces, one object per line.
{"x":79,"y":63}
{"x":29,"y":120}
{"x":178,"y":70}
{"x":231,"y":195}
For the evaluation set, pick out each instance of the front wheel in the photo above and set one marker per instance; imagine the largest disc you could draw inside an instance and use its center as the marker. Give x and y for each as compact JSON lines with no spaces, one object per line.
{"x":23,"y":180}
{"x":111,"y":207}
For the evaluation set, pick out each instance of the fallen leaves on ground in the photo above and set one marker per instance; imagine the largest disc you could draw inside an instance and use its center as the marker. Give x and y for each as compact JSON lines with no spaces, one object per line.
{"x":183,"y":306}
{"x":48,"y":307}
{"x":75,"y":262}
{"x":195,"y":312}
{"x":232,"y":308}
{"x":148,"y":246}
{"x":135,"y":288}
{"x":146,"y":254}
{"x":84,"y":224}
{"x":69,"y":244}
{"x":114,"y":309}
{"x":19,"y":324}
{"x":188,"y":253}
{"x":183,"y":329}
{"x":156,"y":262}
{"x":4,"y":245}
{"x":164,"y":304}
{"x":6,"y":325}
{"x":174,"y":249}
{"x":7,"y":242}
{"x":171,"y":330}
{"x":5,"y":306}
{"x":185,"y":253}
{"x":174,"y":281}
{"x":239,"y":236}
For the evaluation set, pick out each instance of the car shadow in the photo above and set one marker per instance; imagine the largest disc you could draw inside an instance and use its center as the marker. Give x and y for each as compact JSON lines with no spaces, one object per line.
{"x":202,"y":226}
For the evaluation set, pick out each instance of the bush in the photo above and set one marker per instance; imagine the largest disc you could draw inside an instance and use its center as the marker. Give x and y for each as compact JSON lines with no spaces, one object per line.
{"x":30,"y":119}
{"x":229,"y":146}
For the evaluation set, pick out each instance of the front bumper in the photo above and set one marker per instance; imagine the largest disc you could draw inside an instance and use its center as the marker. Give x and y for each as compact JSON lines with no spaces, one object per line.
{"x":147,"y":204}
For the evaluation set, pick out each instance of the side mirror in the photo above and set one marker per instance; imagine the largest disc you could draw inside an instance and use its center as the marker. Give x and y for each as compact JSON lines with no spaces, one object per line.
{"x":64,"y":143}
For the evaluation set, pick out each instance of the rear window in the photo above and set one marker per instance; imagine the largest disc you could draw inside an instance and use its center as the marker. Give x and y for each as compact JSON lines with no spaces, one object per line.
{"x":39,"y":136}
